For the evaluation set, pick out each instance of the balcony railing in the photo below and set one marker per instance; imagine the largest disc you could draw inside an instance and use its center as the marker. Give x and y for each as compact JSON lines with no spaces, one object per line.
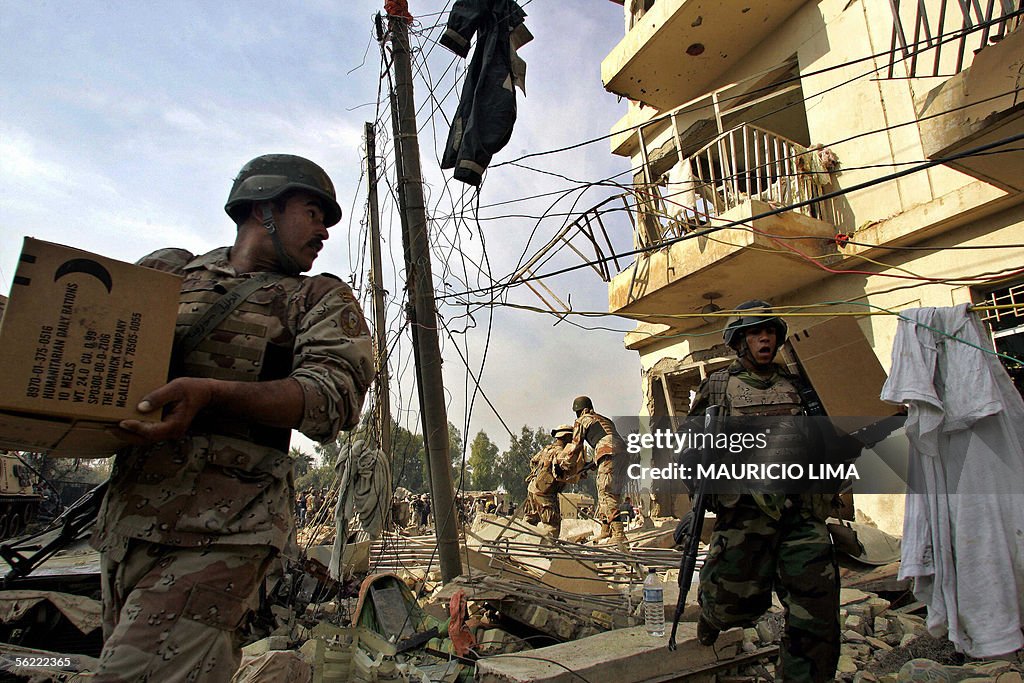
{"x":744,"y":163}
{"x":931,"y":44}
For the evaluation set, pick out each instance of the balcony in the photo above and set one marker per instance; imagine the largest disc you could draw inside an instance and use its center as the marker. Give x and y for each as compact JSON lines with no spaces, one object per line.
{"x":679,"y":48}
{"x":980,"y":105}
{"x":743,"y":176}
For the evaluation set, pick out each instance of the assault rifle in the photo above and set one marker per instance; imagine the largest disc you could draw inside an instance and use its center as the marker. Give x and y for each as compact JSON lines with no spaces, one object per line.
{"x":688,"y":563}
{"x":28,"y":552}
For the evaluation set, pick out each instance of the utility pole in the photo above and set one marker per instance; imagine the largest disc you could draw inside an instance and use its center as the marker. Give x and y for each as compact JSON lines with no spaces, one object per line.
{"x":383,"y":408}
{"x":421,"y":293}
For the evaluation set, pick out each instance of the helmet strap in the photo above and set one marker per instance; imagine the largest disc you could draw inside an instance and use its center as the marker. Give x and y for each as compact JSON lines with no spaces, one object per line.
{"x":287,"y":263}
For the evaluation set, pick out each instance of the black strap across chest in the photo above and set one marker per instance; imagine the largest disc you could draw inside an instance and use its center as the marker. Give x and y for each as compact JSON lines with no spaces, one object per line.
{"x":216,"y":313}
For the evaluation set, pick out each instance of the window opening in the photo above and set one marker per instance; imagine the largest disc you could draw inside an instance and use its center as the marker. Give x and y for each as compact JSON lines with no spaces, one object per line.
{"x":1007,"y":328}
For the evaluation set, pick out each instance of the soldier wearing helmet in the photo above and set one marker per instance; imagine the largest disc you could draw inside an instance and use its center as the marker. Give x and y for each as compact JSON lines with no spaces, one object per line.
{"x":200,"y":502}
{"x":269,"y":182}
{"x":754,"y":349}
{"x":766,"y":541}
{"x":599,"y":433}
{"x":551,"y":469}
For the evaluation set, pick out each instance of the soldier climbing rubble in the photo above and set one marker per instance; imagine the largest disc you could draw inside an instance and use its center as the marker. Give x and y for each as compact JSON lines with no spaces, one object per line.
{"x":600,"y":434}
{"x":551,"y":469}
{"x":200,"y":503}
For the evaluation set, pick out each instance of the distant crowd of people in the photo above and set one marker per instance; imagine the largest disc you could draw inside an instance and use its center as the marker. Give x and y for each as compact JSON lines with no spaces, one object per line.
{"x":310,"y":503}
{"x":408,"y":510}
{"x":411,"y":510}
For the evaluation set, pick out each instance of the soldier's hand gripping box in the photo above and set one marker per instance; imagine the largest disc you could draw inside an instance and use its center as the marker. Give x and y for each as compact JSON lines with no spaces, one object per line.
{"x":83,"y":338}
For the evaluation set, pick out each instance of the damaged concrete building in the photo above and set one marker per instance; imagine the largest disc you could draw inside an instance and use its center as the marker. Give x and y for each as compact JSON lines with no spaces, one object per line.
{"x":845,"y":152}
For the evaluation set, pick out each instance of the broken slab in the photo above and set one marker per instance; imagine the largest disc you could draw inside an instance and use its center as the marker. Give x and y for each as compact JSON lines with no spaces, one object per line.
{"x":576,"y":530}
{"x":274,"y":666}
{"x":881,"y":579}
{"x":511,"y":546}
{"x":670,"y":581}
{"x":622,"y":656}
{"x":355,"y":559}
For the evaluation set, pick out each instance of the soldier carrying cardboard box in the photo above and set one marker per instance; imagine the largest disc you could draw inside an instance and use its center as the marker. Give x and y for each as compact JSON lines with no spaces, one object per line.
{"x":200,"y":503}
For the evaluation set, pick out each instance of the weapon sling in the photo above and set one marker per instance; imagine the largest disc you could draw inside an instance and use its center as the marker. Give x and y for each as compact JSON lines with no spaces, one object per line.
{"x":216,"y":313}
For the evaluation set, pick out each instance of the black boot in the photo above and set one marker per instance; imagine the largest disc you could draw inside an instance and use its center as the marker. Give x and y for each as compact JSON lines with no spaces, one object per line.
{"x":706,"y":633}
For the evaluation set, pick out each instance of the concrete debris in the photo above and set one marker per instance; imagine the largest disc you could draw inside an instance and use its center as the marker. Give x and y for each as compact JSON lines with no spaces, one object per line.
{"x":880,"y":579}
{"x":578,"y":530}
{"x":278,"y":666}
{"x":354,"y":560}
{"x":926,"y":670}
{"x":576,"y":606}
{"x":559,"y":616}
{"x":659,"y":533}
{"x":623,"y":655}
{"x":880,"y":644}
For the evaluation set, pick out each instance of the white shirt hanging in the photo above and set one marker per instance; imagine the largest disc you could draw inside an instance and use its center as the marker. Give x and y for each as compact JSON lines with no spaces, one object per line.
{"x":963,"y":534}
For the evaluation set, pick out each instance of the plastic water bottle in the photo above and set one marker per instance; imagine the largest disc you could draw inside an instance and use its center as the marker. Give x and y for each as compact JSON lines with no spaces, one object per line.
{"x":654,"y":604}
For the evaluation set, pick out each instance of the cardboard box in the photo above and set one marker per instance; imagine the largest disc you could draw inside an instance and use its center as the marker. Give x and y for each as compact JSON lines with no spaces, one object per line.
{"x":84,"y":338}
{"x":843,"y":369}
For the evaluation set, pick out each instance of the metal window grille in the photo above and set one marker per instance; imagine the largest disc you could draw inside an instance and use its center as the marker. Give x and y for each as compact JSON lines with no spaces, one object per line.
{"x":1002,"y":317}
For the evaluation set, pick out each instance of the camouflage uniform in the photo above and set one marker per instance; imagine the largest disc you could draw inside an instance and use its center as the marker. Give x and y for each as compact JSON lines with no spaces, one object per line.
{"x":550,"y":470}
{"x":771,"y":540}
{"x":189,"y":527}
{"x":609,"y":452}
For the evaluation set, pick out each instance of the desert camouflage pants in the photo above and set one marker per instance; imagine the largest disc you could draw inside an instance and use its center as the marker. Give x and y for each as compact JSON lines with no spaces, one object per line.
{"x":611,"y":480}
{"x":173,"y":614}
{"x":542,"y":508}
{"x":750,"y":555}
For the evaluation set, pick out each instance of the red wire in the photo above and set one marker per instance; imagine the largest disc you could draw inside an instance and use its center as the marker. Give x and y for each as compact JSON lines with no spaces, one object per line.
{"x":921,"y":278}
{"x":784,"y":245}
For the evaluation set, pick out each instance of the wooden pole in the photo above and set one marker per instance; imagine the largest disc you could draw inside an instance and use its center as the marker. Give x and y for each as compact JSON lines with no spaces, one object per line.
{"x":383,"y":407}
{"x":421,"y":294}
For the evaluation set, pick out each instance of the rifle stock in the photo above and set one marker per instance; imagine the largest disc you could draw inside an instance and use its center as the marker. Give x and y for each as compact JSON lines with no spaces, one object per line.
{"x":688,"y":563}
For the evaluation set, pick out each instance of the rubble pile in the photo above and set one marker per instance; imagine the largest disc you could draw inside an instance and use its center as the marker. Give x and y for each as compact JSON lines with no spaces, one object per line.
{"x":520,"y":591}
{"x":343,"y":655}
{"x":882,"y":644}
{"x":527,"y":608}
{"x":381,"y":635}
{"x":559,"y":615}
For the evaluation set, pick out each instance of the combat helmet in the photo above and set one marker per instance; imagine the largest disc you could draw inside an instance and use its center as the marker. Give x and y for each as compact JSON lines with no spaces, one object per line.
{"x":582,"y":403}
{"x":271,"y":175}
{"x":739,"y":322}
{"x":562,"y":431}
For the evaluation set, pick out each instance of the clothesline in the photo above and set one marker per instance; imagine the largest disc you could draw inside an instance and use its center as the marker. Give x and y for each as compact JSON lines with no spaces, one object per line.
{"x":779,"y":312}
{"x":877,"y":311}
{"x":775,"y":313}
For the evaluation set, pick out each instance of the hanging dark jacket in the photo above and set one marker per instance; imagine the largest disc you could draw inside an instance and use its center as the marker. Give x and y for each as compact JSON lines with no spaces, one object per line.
{"x":487,"y":109}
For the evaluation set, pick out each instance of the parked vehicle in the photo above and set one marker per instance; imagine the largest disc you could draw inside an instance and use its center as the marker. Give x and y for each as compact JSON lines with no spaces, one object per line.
{"x":19,"y":496}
